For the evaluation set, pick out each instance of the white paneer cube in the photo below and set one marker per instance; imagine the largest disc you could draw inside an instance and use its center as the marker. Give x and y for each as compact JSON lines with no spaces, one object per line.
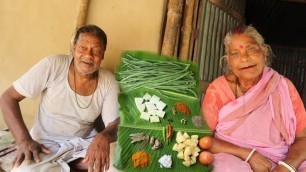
{"x":147,"y":97}
{"x":146,"y":116}
{"x":138,"y":100}
{"x":150,"y":106}
{"x":160,"y":105}
{"x":153,"y":112}
{"x":154,"y":99}
{"x":160,"y":113}
{"x":141,"y":107}
{"x":154,"y":119}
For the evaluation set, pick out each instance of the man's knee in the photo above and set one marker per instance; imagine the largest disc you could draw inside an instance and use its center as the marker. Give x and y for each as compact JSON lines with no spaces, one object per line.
{"x":78,"y":164}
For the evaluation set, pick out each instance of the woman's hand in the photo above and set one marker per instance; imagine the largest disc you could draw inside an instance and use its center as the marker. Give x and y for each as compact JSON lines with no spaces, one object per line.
{"x":280,"y":168}
{"x":259,"y":163}
{"x":97,"y":156}
{"x":27,"y":151}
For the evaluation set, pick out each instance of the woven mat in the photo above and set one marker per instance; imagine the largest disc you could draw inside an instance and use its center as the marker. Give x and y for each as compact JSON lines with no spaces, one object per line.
{"x":6,"y":141}
{"x":6,"y":161}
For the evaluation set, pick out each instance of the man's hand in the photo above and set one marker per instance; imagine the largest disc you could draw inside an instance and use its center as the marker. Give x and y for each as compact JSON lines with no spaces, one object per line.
{"x":97,"y":156}
{"x":28,"y":150}
{"x":259,"y":163}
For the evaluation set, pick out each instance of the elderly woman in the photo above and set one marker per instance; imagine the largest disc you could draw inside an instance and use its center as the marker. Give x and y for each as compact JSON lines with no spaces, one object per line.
{"x":256,"y":114}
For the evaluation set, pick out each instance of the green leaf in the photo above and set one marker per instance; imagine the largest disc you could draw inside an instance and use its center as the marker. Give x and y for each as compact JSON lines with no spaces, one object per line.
{"x":125,"y":151}
{"x":132,"y":123}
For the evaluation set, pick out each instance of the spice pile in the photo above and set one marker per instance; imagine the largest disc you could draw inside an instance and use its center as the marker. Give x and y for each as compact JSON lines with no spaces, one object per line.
{"x":141,"y":159}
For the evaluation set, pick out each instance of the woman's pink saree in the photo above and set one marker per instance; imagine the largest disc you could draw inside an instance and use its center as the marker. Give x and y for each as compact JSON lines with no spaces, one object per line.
{"x":263,"y":119}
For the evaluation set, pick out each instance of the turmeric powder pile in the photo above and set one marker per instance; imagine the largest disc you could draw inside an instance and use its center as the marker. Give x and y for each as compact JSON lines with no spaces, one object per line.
{"x":141,"y":159}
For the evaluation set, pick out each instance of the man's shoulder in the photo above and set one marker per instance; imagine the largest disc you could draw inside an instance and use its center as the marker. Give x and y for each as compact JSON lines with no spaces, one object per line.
{"x":58,"y":61}
{"x":56,"y":58}
{"x":105,"y":73}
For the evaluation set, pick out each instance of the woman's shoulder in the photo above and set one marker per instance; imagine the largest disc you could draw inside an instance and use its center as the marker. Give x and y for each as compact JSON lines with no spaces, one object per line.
{"x":221,"y":86}
{"x":220,"y":80}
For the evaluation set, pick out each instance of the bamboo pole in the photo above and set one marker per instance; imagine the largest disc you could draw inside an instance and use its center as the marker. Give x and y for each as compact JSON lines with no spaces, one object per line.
{"x":194,"y":32}
{"x":186,"y":29}
{"x":174,"y":15}
{"x":81,"y":15}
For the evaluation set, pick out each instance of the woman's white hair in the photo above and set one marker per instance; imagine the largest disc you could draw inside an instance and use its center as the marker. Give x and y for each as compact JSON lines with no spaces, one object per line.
{"x":251,"y":32}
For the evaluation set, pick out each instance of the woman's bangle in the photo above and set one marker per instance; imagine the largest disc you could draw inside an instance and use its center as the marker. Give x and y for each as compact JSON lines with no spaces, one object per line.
{"x":288,"y":166}
{"x":250,"y":155}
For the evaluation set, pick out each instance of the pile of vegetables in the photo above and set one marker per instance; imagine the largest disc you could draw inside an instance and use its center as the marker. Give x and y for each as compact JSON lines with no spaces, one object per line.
{"x":187,"y":148}
{"x":173,"y":76}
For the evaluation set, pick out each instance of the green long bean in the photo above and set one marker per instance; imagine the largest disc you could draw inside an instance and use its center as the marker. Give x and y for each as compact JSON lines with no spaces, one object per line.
{"x":161,"y":75}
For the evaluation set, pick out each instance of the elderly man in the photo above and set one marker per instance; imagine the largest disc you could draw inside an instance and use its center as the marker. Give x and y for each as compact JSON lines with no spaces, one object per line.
{"x":74,"y":91}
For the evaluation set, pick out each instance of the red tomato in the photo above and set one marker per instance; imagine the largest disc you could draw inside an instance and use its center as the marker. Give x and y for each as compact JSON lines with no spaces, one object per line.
{"x":206,"y":158}
{"x":206,"y":142}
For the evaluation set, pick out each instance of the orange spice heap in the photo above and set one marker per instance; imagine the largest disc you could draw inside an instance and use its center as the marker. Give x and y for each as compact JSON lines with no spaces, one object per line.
{"x":141,"y":159}
{"x":182,"y":108}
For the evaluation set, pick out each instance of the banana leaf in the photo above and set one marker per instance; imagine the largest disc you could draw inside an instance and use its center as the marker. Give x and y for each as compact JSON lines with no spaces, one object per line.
{"x":125,"y":150}
{"x":130,"y":115}
{"x":132,"y":123}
